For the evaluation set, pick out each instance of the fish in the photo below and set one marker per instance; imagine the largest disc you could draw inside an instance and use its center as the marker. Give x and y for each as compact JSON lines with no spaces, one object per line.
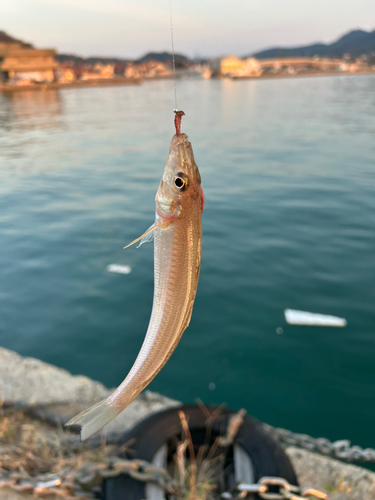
{"x":177,"y":234}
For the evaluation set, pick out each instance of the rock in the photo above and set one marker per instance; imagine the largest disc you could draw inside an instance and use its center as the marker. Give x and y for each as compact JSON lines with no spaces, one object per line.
{"x":340,"y":481}
{"x":36,"y":382}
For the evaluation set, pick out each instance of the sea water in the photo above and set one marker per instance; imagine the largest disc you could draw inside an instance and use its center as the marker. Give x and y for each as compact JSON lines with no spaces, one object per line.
{"x":288,"y":173}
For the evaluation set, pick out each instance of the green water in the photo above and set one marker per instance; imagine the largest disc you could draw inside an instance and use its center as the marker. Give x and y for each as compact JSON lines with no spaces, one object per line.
{"x":289,"y":178}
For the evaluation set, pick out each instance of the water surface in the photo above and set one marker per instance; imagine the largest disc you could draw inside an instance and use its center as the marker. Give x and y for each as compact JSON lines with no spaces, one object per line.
{"x":288,"y":173}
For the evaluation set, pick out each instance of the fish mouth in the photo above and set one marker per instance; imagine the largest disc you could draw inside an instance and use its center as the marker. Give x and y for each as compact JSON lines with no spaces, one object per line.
{"x":181,"y":152}
{"x":179,"y":140}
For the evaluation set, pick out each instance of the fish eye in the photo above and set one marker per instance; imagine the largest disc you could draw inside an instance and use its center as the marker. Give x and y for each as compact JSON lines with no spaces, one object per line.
{"x":180,"y":181}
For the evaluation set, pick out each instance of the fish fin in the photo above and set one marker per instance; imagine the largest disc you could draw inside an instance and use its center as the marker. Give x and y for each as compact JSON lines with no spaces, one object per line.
{"x":93,"y":419}
{"x":149,"y":234}
{"x":202,"y":200}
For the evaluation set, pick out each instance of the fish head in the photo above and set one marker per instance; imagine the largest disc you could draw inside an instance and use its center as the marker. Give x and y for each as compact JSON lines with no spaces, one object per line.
{"x":180,"y":187}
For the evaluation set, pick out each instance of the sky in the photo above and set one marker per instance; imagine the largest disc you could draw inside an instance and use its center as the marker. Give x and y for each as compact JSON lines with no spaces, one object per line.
{"x":202,"y":28}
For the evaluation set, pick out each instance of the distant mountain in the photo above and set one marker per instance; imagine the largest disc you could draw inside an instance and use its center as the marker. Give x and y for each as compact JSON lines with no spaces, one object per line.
{"x":164,"y":57}
{"x":355,"y":43}
{"x":5,"y":38}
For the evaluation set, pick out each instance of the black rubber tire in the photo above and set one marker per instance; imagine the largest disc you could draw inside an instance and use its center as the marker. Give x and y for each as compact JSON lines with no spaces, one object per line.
{"x":267,"y":456}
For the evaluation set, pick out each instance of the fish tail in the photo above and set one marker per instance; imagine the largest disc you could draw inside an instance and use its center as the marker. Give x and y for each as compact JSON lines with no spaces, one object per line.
{"x":93,"y":419}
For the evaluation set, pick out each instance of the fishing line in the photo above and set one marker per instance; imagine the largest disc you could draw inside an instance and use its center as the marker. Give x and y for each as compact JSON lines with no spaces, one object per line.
{"x":173,"y":59}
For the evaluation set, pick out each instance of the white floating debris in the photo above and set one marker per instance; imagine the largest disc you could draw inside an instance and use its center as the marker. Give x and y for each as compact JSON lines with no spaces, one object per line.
{"x":212,"y":386}
{"x":279,"y":330}
{"x":117,"y":268}
{"x":294,"y":317}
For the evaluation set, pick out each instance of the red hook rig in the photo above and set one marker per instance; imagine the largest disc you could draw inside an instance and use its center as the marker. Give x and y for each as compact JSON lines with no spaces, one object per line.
{"x":177,"y":120}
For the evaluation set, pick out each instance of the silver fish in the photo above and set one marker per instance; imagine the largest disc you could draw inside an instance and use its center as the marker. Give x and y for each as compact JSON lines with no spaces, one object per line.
{"x":177,"y":234}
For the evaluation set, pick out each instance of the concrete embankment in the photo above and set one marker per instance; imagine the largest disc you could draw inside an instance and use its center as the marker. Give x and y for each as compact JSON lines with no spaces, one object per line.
{"x":32,"y":381}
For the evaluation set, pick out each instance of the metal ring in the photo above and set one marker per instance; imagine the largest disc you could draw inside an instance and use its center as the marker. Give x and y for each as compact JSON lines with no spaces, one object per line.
{"x":273,"y":481}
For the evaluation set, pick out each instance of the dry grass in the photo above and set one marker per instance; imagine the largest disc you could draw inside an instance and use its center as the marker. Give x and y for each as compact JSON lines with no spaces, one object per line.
{"x":198,"y":473}
{"x":27,"y":447}
{"x":30,"y":451}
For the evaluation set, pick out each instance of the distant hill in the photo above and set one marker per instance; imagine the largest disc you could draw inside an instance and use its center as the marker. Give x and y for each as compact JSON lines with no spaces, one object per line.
{"x":5,"y":38}
{"x":164,"y":57}
{"x":79,"y":61}
{"x":355,"y":43}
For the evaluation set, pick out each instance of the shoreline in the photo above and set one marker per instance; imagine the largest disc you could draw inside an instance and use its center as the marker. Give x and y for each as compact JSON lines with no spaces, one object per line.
{"x":303,"y":74}
{"x":34,"y":382}
{"x":100,"y":82}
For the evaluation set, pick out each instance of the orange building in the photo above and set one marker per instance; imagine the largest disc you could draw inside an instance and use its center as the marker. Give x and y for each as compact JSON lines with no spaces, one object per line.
{"x":22,"y":63}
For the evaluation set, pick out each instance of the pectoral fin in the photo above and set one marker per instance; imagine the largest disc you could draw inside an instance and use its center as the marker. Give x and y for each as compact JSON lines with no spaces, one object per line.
{"x":149,"y":234}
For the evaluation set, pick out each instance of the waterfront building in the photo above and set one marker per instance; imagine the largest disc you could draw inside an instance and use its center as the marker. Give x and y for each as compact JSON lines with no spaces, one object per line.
{"x":66,"y":73}
{"x":150,"y":69}
{"x":23,"y":64}
{"x":132,"y":71}
{"x":231,"y":66}
{"x":251,"y":67}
